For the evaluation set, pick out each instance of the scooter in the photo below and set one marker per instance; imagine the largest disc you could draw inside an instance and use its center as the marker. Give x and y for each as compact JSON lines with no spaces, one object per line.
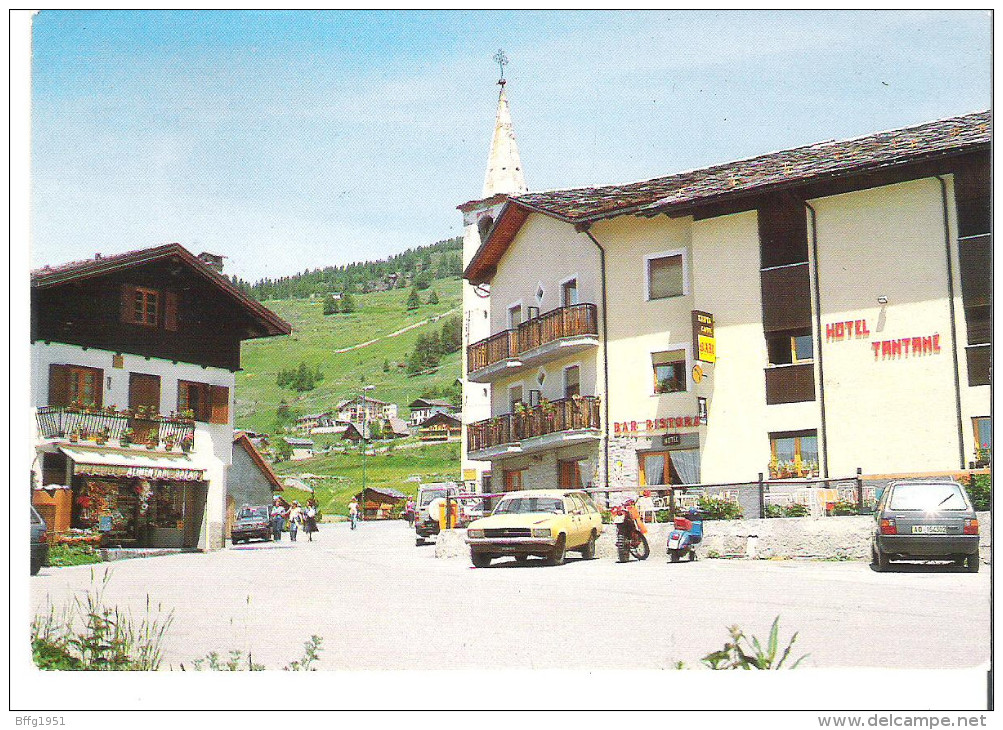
{"x":687,"y":532}
{"x":630,"y":539}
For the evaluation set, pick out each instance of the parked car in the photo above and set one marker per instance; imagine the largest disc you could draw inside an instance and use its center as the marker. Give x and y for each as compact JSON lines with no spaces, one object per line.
{"x":252,"y":522}
{"x":925,"y":520}
{"x":426,"y":518}
{"x":39,"y":542}
{"x":541,"y":522}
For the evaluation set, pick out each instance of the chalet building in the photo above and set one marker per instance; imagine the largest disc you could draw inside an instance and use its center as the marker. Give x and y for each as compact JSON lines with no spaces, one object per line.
{"x":132,"y":372}
{"x":806,"y":312}
{"x":424,"y":408}
{"x":440,"y":426}
{"x":301,"y":448}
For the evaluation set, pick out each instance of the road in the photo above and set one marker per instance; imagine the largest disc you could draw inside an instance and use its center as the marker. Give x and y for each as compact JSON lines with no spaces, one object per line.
{"x":379,"y":602}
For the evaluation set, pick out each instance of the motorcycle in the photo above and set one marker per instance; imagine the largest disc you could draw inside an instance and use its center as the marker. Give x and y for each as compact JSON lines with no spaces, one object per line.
{"x":687,"y":532}
{"x":630,"y":539}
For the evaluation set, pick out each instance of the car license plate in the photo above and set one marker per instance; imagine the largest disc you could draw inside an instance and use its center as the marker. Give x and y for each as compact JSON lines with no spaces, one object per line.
{"x":929,"y":529}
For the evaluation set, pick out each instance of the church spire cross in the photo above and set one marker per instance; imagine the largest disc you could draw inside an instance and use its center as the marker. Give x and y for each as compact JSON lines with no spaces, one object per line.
{"x":502,"y":60}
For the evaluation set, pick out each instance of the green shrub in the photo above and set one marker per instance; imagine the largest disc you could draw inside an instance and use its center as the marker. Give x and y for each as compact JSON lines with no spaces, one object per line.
{"x":775,"y":510}
{"x":980,"y":489}
{"x":88,"y":635}
{"x":796,"y":510}
{"x":718,"y":508}
{"x":744,"y":652}
{"x":62,"y":555}
{"x":607,"y":516}
{"x":663,"y":515}
{"x":843,"y":508}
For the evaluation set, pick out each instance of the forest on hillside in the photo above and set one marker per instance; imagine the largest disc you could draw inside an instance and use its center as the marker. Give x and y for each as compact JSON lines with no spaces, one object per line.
{"x":439,"y":260}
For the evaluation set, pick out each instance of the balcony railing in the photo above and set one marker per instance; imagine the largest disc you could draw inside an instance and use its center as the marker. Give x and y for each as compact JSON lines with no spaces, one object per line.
{"x":575,"y":320}
{"x":790,"y":383}
{"x":567,"y":414}
{"x":104,"y":426}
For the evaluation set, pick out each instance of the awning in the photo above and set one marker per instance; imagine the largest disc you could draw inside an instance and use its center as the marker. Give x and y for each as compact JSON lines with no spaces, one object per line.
{"x":112,"y":462}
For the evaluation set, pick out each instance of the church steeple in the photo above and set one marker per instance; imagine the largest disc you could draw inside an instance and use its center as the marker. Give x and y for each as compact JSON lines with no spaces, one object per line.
{"x":504,"y":173}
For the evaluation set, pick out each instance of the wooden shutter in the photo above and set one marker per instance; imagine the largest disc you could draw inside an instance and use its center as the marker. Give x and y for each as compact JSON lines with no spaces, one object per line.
{"x":98,"y":386}
{"x":128,"y":303}
{"x":171,"y":311}
{"x":59,"y":385}
{"x":220,"y":400}
{"x":144,"y":390}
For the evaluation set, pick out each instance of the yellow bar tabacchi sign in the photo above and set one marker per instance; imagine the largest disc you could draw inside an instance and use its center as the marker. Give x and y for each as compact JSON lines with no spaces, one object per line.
{"x":704,"y":343}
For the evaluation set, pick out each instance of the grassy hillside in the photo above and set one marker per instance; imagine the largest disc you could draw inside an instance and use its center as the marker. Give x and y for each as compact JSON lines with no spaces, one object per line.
{"x":315,"y":340}
{"x":341,"y":474}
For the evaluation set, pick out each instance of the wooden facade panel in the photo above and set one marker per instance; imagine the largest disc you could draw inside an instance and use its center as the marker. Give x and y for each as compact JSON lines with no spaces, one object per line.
{"x":220,"y":408}
{"x":979,"y":363}
{"x":791,"y":384}
{"x":786,"y":298}
{"x":198,"y":324}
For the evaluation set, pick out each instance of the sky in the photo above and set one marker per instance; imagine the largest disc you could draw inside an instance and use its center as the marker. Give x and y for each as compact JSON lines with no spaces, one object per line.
{"x":288,"y":140}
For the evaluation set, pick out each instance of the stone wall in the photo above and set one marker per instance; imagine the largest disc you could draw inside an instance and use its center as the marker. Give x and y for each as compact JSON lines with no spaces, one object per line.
{"x":826,"y":538}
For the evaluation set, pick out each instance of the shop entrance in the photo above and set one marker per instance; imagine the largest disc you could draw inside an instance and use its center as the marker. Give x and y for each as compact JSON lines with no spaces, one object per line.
{"x":132,"y":512}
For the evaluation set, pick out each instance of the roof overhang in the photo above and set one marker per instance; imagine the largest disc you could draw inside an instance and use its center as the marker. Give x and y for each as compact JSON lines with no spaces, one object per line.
{"x":484,"y":263}
{"x":270,"y":323}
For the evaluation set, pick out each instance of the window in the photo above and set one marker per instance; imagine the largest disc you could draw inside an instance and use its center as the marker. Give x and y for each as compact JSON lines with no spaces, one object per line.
{"x":145,"y":306}
{"x":572,"y":385}
{"x":149,"y":307}
{"x":484,"y":227}
{"x":514,"y":316}
{"x":513,"y":479}
{"x":666,"y":275}
{"x":669,"y":467}
{"x":793,"y":454}
{"x":670,"y":371}
{"x":786,"y":348}
{"x":983,"y":427}
{"x":75,"y":385}
{"x":514,"y":397}
{"x":569,"y":293}
{"x":207,"y":403}
{"x":569,"y":475}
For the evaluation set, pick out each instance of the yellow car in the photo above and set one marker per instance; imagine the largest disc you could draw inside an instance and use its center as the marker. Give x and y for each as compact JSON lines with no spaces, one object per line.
{"x":542,"y":522}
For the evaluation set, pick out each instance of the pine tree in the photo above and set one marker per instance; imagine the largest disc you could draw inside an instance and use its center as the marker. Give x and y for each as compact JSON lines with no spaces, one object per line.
{"x":433,"y":298}
{"x":413,"y":301}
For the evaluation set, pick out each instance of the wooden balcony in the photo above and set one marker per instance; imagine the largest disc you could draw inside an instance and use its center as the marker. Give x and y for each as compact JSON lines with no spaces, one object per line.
{"x":106,"y":426}
{"x":556,"y":417}
{"x":533,"y":340}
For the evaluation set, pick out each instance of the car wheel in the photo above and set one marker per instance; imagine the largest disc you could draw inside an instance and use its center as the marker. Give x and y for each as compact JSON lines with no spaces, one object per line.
{"x":521,"y":558}
{"x":589,"y":551}
{"x":972,"y":563}
{"x":559,"y":552}
{"x":36,"y":565}
{"x":674,"y":556}
{"x":480,"y":560}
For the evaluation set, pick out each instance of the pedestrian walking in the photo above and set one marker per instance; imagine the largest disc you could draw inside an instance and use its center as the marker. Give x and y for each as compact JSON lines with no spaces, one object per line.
{"x":278,"y":519}
{"x":353,"y":512}
{"x":295,"y":518}
{"x":310,"y":520}
{"x":409,"y":513}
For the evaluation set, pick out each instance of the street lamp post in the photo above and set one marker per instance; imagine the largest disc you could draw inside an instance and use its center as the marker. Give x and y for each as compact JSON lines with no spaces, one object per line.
{"x":365,"y":422}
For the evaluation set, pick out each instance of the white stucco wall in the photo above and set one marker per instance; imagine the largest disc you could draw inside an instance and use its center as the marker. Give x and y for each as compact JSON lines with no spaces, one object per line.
{"x":891,"y":414}
{"x":213,"y":442}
